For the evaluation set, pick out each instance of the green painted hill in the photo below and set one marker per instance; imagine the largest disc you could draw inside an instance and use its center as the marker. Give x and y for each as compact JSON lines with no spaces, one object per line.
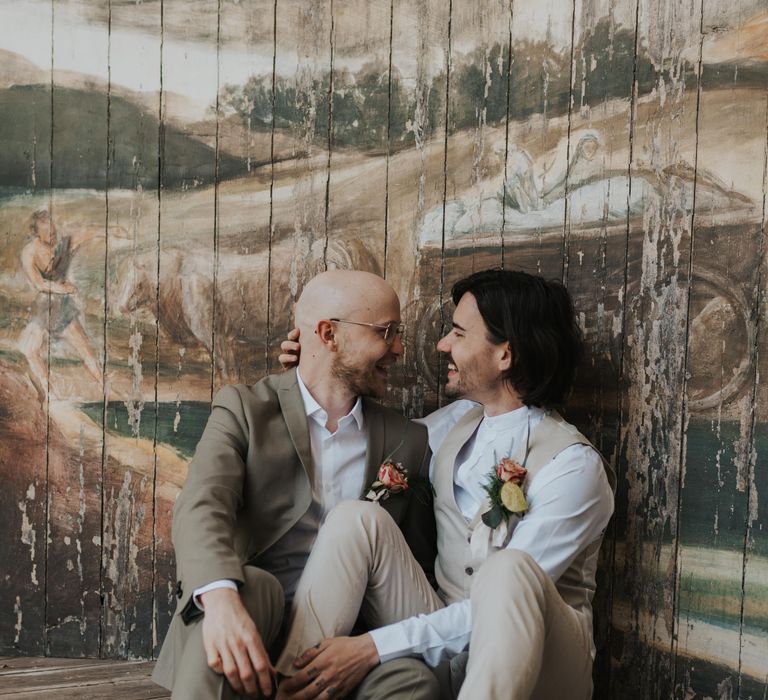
{"x":80,"y":144}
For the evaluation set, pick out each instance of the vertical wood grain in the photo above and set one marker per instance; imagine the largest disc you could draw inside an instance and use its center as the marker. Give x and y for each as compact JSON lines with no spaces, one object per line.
{"x":303,"y":68}
{"x":357,"y":176}
{"x":416,"y":189}
{"x":658,"y":275}
{"x":714,"y":511}
{"x":244,"y":205}
{"x":23,"y":446}
{"x":753,"y":677}
{"x":73,"y":600}
{"x":477,"y":129}
{"x":601,"y":97}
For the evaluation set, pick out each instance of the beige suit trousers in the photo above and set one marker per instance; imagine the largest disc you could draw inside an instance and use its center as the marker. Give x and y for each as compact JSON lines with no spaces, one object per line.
{"x":526,"y":642}
{"x":360,"y":565}
{"x":262,"y":596}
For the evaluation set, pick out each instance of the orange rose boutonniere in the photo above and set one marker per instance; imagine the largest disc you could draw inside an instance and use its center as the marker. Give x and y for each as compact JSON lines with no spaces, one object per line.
{"x":392,"y":478}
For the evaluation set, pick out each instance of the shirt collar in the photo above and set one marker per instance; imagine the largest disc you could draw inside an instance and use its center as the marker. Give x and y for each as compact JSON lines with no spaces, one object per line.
{"x":511,"y":419}
{"x":315,"y":410}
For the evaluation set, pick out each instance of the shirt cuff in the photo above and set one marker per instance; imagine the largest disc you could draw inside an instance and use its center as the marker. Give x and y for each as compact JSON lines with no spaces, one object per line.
{"x":221,"y":583}
{"x":391,"y":642}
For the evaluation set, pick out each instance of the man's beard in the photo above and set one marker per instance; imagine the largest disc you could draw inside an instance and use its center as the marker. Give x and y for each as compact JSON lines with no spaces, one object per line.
{"x":453,"y":392}
{"x":360,"y":382}
{"x":466,"y":382}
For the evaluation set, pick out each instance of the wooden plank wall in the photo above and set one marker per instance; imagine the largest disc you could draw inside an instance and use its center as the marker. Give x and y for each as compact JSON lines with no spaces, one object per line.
{"x":204,"y":160}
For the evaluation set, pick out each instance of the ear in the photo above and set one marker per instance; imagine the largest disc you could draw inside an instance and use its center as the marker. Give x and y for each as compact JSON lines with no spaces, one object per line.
{"x":505,"y":357}
{"x":326,"y":333}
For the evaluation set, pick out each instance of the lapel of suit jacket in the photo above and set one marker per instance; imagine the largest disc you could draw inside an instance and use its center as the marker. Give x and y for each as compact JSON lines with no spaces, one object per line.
{"x":295,"y":416}
{"x":376,"y":436}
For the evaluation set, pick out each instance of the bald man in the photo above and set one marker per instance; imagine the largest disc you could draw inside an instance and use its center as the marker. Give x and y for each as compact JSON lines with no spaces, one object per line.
{"x":274,"y":458}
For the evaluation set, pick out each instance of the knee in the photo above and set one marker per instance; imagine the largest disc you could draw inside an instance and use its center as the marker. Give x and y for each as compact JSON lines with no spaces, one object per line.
{"x":510,"y":565}
{"x":262,"y":585}
{"x":350,"y":517}
{"x":264,"y":599}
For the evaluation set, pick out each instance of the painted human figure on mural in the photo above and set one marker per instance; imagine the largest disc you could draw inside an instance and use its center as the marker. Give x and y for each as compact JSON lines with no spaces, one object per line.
{"x":525,"y":190}
{"x":46,"y":260}
{"x":533,"y":193}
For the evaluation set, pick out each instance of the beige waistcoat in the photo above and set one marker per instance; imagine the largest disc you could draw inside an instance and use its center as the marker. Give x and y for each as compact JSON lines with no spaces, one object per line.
{"x":456,"y":566}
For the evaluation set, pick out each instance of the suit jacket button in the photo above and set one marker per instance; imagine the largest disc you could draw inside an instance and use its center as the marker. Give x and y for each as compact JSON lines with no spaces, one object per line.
{"x":179,"y":592}
{"x":469,"y":571}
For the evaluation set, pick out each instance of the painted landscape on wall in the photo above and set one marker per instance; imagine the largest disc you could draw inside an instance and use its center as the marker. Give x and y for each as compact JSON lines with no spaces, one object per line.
{"x":172,"y":173}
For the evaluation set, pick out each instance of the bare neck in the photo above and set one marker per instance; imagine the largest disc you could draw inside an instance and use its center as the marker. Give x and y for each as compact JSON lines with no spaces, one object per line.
{"x":502,"y":399}
{"x":333,"y":396}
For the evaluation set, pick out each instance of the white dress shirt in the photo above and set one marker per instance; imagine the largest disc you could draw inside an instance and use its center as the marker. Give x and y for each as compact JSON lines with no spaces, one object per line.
{"x":338,"y":461}
{"x":570,"y":503}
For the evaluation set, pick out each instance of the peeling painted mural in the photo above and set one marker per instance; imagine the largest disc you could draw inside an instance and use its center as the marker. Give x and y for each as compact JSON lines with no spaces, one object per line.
{"x":172,"y":173}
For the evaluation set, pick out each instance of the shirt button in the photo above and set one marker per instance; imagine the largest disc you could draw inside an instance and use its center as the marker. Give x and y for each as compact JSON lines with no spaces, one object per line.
{"x":469,"y":571}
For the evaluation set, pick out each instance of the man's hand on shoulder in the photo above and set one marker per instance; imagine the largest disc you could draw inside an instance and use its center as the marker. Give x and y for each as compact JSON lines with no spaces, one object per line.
{"x":332,"y":669}
{"x":233,"y":645}
{"x":291,"y":350}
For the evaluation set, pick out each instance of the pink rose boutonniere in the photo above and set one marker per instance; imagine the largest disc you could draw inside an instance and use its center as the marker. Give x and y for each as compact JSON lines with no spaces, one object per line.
{"x":505,"y":493}
{"x":392,"y":478}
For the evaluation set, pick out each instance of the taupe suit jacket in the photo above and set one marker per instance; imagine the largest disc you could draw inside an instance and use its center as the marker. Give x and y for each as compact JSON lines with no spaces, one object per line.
{"x":249,"y":482}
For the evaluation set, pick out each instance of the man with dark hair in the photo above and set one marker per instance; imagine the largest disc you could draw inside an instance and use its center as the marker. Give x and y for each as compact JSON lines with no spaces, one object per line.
{"x":522,"y":502}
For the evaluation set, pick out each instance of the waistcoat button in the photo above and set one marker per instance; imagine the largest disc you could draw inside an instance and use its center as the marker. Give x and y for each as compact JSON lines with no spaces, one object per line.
{"x":469,"y":571}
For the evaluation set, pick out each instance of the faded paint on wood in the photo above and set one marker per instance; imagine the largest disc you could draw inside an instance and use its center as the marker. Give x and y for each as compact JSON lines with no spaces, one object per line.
{"x":651,"y":439}
{"x":266,"y":141}
{"x":722,"y":332}
{"x":360,"y":105}
{"x":25,"y":439}
{"x":596,"y":247}
{"x":478,"y":80}
{"x":752,"y":677}
{"x":416,"y":188}
{"x":537,"y":150}
{"x":129,"y":464}
{"x":303,"y":56}
{"x":74,"y":475}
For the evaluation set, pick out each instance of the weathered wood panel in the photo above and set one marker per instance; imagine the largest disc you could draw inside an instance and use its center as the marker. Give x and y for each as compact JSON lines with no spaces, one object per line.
{"x":416,"y":189}
{"x":360,"y":105}
{"x":226,"y":151}
{"x":183,"y":277}
{"x":478,"y":82}
{"x":652,"y":445}
{"x":303,"y":71}
{"x":24,"y":365}
{"x":597,"y":237}
{"x":752,"y":675}
{"x":244,"y":208}
{"x":132,"y":496}
{"x":722,"y":329}
{"x":76,"y":341}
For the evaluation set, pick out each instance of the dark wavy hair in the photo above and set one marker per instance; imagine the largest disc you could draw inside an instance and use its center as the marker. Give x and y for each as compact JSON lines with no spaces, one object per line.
{"x":536,"y":317}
